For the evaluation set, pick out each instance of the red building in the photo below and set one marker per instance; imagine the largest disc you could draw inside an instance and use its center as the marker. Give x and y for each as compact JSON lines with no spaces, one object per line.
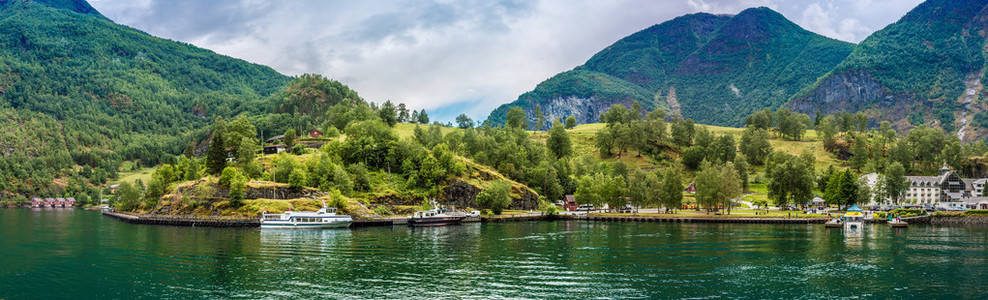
{"x":691,"y":188}
{"x":569,"y":203}
{"x":315,"y":133}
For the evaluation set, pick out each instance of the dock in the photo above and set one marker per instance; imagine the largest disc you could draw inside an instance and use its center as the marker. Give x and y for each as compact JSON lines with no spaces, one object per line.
{"x":698,"y":220}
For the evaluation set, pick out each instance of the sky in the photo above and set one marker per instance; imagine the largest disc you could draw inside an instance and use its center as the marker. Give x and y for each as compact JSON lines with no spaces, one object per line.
{"x":451,"y":56}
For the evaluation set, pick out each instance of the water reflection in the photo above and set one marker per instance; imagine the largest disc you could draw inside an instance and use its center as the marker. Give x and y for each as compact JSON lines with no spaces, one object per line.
{"x":82,"y":250}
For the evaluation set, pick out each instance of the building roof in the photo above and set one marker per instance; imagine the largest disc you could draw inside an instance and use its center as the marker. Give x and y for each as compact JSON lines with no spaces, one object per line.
{"x":277,"y":137}
{"x":968,"y":183}
{"x":928,"y":180}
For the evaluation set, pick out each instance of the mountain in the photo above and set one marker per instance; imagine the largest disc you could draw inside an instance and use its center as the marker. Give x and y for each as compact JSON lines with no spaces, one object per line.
{"x":715,"y":69}
{"x":913,"y":71}
{"x":79,"y":93}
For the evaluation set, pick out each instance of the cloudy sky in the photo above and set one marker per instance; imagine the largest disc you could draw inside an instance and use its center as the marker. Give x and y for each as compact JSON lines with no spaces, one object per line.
{"x":450,"y":56}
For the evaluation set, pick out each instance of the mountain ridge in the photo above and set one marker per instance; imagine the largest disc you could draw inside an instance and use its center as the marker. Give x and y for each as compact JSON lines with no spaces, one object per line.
{"x":105,"y":93}
{"x":721,"y":67}
{"x":914,"y":71}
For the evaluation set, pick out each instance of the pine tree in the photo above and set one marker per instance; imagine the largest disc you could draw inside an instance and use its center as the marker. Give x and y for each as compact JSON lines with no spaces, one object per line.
{"x":216,"y":158}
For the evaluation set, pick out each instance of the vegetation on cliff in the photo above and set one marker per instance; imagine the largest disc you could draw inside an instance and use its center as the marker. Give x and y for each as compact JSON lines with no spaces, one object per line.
{"x":717,"y":68}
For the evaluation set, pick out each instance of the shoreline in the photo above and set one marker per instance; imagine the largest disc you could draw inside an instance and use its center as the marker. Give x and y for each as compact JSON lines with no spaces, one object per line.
{"x":234,"y":222}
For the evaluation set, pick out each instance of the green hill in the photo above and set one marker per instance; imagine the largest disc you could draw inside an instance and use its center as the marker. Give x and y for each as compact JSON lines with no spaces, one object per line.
{"x":95,"y":93}
{"x":913,"y":71}
{"x":715,"y":69}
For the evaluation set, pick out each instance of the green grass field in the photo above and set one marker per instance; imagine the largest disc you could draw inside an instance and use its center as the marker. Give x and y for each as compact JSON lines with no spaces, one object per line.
{"x":144,"y":174}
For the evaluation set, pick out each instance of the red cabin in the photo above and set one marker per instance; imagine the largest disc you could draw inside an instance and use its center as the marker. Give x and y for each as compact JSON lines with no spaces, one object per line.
{"x":569,"y":203}
{"x":691,"y":188}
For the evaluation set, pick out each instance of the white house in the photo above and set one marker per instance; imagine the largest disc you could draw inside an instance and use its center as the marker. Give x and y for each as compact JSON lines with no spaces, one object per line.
{"x":947,"y":190}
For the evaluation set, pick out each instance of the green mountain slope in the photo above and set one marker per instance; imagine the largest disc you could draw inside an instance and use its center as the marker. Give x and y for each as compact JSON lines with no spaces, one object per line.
{"x":913,"y":71}
{"x":717,"y":69}
{"x":106,"y":92}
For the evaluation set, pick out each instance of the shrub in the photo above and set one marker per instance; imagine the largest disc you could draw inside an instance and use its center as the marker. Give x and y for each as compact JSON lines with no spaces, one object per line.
{"x":238,"y":187}
{"x":902,"y":212}
{"x":548,"y":209}
{"x":976,"y":212}
{"x":298,"y":149}
{"x":331,"y":132}
{"x":229,"y":173}
{"x":361,"y":180}
{"x":297,"y":178}
{"x":383,"y":211}
{"x":497,"y":197}
{"x":337,"y":200}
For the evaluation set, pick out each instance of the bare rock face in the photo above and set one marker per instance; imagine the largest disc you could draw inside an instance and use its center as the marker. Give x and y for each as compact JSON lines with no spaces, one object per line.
{"x":463,"y":194}
{"x":585,"y":110}
{"x":850,"y":92}
{"x":460,"y":193}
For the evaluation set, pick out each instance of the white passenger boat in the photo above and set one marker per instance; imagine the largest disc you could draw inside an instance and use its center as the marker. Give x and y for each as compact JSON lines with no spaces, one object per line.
{"x":324,"y":218}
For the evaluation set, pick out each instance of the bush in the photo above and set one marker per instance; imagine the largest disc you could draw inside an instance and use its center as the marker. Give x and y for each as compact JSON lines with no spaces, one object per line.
{"x":298,"y":149}
{"x":361,"y":180}
{"x":497,"y":197}
{"x":976,"y":212}
{"x":297,"y":178}
{"x":331,"y":132}
{"x":238,"y":187}
{"x":383,"y":211}
{"x":228,"y":175}
{"x":902,"y":212}
{"x":337,"y":200}
{"x":548,"y":209}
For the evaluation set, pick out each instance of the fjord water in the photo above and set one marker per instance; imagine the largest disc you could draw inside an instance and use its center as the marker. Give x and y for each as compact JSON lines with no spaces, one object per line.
{"x":75,"y":254}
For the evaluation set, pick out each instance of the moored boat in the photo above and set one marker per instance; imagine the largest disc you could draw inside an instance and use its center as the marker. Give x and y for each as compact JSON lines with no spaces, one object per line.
{"x":435,"y":217}
{"x":326,"y":217}
{"x":854,"y":218}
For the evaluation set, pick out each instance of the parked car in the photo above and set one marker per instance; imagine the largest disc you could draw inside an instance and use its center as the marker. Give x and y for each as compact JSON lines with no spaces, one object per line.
{"x":585,"y":207}
{"x":473,"y":213}
{"x":625,"y":209}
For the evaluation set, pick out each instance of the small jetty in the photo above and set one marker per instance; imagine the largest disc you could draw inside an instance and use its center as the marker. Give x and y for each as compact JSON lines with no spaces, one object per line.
{"x":835,"y":223}
{"x":194,"y":221}
{"x":899,"y":224}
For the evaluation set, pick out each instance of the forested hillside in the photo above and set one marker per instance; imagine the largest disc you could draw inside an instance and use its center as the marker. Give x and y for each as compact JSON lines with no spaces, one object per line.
{"x":79,"y":94}
{"x":715,"y":69}
{"x":914,"y":71}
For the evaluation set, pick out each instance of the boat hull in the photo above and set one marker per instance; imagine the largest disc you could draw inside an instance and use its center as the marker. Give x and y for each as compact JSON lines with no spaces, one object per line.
{"x":300,"y":225}
{"x":437,"y":221}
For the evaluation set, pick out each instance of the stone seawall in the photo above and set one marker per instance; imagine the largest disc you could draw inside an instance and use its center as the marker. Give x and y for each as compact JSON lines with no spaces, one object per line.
{"x":193,"y":221}
{"x":959,"y":220}
{"x":695,"y":220}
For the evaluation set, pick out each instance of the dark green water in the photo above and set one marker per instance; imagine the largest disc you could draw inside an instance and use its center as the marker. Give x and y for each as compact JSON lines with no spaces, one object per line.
{"x":58,"y":254}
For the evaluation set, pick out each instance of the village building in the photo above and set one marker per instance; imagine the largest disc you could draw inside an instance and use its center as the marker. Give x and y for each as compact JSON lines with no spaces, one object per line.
{"x":315,"y":133}
{"x":274,"y":149}
{"x":947,"y":190}
{"x":569,"y":203}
